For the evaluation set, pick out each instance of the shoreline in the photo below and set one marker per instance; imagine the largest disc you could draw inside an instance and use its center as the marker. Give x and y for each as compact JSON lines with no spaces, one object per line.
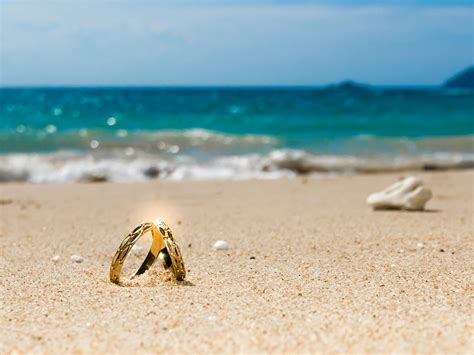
{"x":66,"y":166}
{"x":310,"y":268}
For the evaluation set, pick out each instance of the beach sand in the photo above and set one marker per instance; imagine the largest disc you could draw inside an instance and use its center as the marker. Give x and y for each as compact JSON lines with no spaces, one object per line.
{"x":310,"y":267}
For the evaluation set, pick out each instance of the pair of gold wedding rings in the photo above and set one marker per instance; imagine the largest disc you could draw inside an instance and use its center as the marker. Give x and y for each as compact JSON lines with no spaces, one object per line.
{"x":163,"y":247}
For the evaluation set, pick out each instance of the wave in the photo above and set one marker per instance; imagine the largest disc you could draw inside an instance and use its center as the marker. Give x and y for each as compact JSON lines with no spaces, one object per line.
{"x":162,"y":141}
{"x":302,"y":162}
{"x":67,"y":166}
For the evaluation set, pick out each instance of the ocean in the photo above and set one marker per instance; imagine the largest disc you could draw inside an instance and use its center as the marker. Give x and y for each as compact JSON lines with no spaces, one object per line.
{"x":135,"y":134}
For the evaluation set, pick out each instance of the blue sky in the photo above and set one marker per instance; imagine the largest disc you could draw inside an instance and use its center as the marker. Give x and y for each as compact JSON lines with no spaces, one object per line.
{"x":226,"y":42}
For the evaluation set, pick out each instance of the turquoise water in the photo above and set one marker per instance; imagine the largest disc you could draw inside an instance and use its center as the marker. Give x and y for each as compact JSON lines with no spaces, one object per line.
{"x":249,"y":131}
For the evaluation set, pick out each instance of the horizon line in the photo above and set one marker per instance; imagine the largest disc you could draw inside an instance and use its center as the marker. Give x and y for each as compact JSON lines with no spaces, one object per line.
{"x":227,"y":86}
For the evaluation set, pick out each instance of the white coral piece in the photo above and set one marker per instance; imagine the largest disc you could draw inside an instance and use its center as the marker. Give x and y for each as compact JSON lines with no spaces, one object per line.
{"x":408,"y":194}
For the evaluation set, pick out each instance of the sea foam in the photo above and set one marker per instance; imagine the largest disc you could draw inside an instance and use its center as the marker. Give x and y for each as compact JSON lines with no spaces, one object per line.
{"x":75,"y":167}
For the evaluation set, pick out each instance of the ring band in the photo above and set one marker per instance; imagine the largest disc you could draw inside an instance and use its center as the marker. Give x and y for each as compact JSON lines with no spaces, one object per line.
{"x":171,"y":255}
{"x":163,"y":247}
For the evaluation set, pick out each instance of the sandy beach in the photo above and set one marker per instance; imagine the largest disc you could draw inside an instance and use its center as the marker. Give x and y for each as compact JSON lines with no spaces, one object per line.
{"x":310,"y":268}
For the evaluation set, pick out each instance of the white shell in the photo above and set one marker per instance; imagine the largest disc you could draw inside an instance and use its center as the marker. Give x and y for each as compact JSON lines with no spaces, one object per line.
{"x":408,"y":194}
{"x":221,"y":245}
{"x":77,"y":258}
{"x":55,"y":258}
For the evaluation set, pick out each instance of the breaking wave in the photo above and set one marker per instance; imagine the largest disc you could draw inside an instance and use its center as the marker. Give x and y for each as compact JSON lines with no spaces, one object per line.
{"x":67,"y":166}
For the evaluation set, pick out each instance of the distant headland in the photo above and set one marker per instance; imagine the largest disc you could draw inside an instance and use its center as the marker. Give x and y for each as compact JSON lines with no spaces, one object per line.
{"x":463,"y":79}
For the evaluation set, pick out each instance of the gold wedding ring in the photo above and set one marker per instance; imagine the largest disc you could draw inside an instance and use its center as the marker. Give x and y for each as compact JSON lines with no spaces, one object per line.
{"x":163,"y":247}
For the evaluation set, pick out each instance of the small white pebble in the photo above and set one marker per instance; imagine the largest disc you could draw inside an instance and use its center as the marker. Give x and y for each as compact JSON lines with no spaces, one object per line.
{"x":77,"y":258}
{"x":401,"y":251}
{"x":55,"y":258}
{"x":88,"y":324}
{"x":420,"y":245}
{"x":221,"y":245}
{"x":212,"y":318}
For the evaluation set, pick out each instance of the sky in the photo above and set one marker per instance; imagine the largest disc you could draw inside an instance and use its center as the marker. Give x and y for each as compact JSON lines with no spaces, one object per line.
{"x":233,"y":43}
